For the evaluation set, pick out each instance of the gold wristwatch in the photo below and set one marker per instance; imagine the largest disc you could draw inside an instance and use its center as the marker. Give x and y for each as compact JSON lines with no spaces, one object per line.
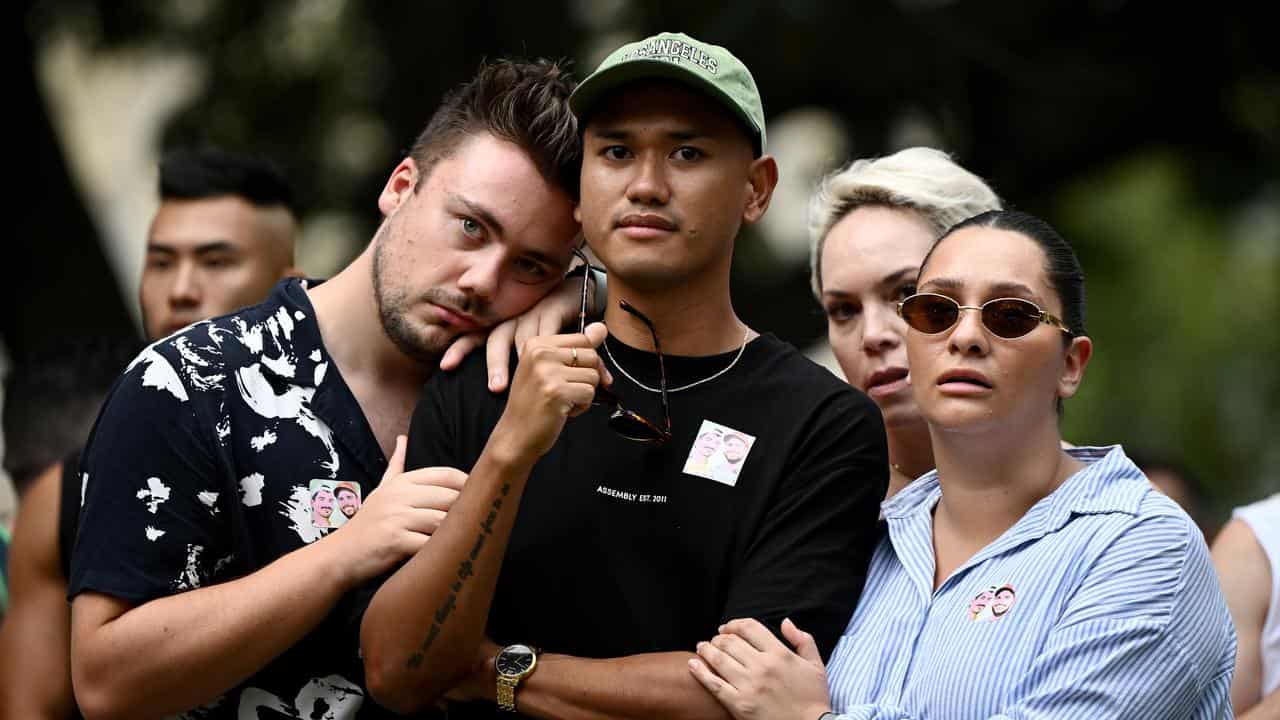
{"x":513,"y":663}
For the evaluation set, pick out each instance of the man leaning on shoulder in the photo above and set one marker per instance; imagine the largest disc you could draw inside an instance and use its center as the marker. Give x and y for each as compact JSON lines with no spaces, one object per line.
{"x":581,"y":563}
{"x":200,"y":578}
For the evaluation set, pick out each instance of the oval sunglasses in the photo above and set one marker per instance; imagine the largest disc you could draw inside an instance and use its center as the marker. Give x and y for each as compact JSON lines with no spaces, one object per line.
{"x":931,"y":313}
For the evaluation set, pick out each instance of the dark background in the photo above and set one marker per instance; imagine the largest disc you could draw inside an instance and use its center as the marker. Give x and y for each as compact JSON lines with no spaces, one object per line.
{"x":1148,"y":133}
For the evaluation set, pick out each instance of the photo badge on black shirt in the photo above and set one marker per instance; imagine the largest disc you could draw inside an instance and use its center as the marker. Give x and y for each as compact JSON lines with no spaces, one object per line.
{"x":719,"y":452}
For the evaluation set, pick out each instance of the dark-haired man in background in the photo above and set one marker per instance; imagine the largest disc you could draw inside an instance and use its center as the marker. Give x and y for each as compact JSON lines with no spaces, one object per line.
{"x":223,"y":235}
{"x":200,"y":581}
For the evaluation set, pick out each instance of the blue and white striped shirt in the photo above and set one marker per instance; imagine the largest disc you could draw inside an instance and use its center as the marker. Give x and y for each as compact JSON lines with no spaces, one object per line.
{"x":1101,"y":602}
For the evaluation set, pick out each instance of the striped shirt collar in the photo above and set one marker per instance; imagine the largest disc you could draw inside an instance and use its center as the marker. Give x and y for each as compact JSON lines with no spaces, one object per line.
{"x":1103,"y":486}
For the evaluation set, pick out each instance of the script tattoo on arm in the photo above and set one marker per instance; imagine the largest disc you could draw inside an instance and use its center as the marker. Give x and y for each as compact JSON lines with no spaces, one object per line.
{"x":466,"y":569}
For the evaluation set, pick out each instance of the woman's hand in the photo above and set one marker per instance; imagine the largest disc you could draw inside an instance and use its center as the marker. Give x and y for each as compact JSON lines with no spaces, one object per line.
{"x":756,"y":677}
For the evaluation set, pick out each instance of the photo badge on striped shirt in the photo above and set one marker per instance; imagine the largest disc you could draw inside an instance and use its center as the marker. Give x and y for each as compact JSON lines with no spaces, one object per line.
{"x":993,"y":603}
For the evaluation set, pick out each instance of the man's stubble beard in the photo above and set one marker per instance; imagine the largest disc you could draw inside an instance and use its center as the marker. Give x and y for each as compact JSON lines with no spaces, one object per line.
{"x":394,"y":306}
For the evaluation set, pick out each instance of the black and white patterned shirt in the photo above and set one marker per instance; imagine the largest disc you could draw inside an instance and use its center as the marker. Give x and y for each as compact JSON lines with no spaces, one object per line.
{"x":220,"y":449}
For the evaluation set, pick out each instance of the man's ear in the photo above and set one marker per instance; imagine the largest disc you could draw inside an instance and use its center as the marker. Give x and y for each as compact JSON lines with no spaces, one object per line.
{"x":400,"y":186}
{"x":762,"y":178}
{"x":1077,"y":359}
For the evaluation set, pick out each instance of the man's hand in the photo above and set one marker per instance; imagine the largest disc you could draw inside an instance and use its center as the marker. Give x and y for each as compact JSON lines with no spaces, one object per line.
{"x":755,"y":676}
{"x":398,"y":517}
{"x":556,"y":379}
{"x":127,"y":663}
{"x":421,"y":631}
{"x":548,"y":317}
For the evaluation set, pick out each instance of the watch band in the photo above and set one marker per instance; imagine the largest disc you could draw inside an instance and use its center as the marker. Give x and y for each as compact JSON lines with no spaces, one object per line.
{"x":506,"y":693}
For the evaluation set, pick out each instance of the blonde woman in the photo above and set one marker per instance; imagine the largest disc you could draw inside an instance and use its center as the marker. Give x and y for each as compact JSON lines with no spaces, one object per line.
{"x":871,"y":224}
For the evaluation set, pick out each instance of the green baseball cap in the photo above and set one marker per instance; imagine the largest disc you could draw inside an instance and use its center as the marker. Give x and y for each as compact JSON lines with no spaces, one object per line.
{"x":709,"y":68}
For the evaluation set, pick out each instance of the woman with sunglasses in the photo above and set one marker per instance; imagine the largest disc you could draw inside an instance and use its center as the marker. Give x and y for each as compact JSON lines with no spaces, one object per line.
{"x":871,"y":225}
{"x":1118,"y":612}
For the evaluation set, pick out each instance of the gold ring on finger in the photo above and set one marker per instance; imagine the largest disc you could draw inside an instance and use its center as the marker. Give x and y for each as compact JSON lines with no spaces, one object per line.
{"x":574,"y":361}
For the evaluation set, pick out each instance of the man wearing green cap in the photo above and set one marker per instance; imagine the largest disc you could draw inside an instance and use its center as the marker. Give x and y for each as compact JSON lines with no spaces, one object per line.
{"x":581,"y":562}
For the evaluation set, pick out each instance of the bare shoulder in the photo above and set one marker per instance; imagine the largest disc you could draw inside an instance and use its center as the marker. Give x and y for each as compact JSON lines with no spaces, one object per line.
{"x":1237,"y":547}
{"x":35,"y":534}
{"x":1243,"y":568}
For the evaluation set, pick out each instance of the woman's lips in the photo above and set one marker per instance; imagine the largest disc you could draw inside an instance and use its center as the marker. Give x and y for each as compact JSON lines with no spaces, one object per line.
{"x":964,"y":382}
{"x":888,"y":381}
{"x":887,"y":389}
{"x":967,"y":389}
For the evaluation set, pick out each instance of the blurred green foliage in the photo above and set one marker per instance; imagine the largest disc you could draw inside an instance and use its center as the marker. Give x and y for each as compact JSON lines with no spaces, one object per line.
{"x":1184,"y":298}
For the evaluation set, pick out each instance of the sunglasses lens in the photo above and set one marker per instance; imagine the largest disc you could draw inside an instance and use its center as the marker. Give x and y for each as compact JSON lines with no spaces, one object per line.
{"x":605,"y":397}
{"x":633,"y":427}
{"x":930,"y":314}
{"x":1010,"y":318}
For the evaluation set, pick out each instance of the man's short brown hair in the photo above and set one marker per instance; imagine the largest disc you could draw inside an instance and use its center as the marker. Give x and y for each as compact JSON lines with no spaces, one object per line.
{"x":525,"y":102}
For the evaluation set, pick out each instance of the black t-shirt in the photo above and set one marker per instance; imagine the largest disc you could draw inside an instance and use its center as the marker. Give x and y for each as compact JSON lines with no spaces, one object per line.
{"x":68,"y":522}
{"x":764,"y":504}
{"x":219,"y":450}
{"x":69,"y":500}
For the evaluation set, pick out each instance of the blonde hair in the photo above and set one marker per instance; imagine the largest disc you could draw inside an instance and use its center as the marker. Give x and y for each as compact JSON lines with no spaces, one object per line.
{"x":922,"y":179}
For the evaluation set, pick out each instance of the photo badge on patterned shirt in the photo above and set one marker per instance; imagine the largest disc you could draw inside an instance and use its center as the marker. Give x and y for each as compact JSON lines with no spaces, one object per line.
{"x":993,"y":603}
{"x":333,"y":502}
{"x":718,"y":453}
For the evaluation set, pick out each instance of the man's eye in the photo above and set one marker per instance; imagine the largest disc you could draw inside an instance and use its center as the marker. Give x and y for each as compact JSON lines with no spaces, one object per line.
{"x":616,"y":152}
{"x":531,"y":271}
{"x":218,"y":262}
{"x":688,"y":154}
{"x":471,"y":228}
{"x":906,"y":291}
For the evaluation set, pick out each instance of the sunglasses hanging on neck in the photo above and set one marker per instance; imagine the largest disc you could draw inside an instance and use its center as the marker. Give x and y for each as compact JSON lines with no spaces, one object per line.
{"x":628,"y":423}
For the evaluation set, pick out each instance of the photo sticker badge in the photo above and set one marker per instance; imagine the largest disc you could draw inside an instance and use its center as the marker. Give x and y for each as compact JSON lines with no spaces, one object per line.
{"x":718,"y":453}
{"x":992,"y":603}
{"x":333,"y":502}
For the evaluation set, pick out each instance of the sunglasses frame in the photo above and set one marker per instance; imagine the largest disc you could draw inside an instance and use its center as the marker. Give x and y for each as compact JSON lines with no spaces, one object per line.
{"x":1040,"y":315}
{"x":620,"y":418}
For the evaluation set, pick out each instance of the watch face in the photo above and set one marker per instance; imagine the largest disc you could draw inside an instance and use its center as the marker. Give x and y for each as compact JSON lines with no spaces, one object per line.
{"x":514,"y":660}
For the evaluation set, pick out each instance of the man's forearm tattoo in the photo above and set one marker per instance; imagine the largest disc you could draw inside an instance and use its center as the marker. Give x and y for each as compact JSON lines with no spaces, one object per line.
{"x":466,"y":569}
